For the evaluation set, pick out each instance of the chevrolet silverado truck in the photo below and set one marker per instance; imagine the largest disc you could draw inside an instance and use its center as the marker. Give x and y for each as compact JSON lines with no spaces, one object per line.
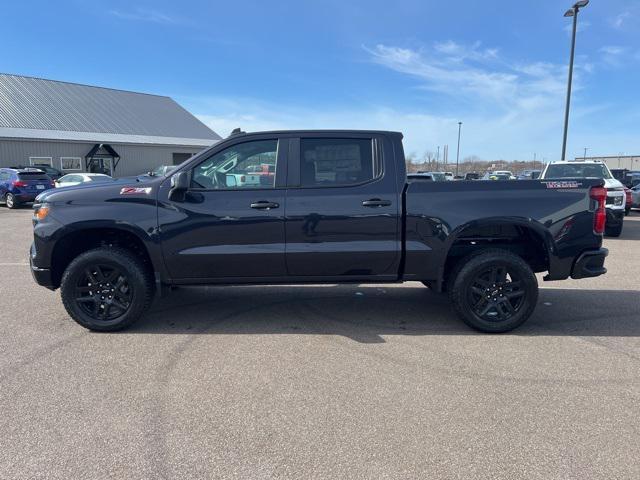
{"x":338,"y":209}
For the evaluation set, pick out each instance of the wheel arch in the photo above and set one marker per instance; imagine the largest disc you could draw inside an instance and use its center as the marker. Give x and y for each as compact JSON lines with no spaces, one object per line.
{"x":526,"y":237}
{"x":80,"y":238}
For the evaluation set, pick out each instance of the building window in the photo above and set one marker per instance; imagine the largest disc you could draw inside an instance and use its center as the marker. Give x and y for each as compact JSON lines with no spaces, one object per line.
{"x":71,"y":163}
{"x":41,"y":161}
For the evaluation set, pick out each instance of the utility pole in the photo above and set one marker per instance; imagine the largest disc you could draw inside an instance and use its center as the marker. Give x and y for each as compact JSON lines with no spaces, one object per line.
{"x":585,"y":153}
{"x":458,"y":154}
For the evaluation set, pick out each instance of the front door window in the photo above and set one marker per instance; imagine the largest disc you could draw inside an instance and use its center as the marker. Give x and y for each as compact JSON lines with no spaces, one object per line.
{"x":249,"y":165}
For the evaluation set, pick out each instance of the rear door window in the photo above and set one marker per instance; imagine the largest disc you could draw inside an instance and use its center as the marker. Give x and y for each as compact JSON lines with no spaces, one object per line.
{"x":331,"y":162}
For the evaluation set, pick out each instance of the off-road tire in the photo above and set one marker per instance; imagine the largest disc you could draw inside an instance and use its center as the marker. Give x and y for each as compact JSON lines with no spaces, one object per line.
{"x":139,"y":288}
{"x":613,"y":231}
{"x":462,"y":288}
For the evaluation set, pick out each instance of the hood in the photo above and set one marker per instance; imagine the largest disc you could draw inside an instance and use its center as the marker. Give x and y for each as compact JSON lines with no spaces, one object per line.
{"x":95,"y":190}
{"x":612,"y":183}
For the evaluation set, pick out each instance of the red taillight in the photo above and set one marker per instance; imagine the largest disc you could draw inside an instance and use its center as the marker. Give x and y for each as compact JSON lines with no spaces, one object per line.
{"x":599,"y":194}
{"x":18,"y":183}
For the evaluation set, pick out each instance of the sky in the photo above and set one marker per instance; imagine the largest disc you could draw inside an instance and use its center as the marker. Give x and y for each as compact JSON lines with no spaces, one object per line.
{"x":420,"y":67}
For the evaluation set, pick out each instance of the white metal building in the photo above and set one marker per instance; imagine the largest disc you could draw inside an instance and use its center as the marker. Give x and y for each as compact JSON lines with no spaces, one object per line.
{"x":630,"y":162}
{"x":76,"y":127}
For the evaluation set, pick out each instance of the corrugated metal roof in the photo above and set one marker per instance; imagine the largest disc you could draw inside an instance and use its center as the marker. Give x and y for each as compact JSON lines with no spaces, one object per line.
{"x":34,"y":104}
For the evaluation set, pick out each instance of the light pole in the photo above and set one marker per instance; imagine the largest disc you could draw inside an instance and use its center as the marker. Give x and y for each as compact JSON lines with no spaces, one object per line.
{"x":585,"y":152}
{"x":458,"y":154}
{"x":572,"y":12}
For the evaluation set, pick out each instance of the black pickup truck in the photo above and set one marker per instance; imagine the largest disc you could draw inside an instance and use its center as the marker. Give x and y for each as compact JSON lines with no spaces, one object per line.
{"x":313,"y":207}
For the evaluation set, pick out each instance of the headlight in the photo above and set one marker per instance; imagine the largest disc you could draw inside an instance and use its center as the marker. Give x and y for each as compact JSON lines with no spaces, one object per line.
{"x":40,"y":211}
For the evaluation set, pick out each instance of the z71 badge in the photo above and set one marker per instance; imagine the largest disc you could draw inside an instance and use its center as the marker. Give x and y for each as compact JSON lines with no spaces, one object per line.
{"x":135,"y":191}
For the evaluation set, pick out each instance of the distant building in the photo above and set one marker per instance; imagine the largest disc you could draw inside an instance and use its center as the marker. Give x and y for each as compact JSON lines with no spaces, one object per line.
{"x":76,"y":128}
{"x":630,"y":162}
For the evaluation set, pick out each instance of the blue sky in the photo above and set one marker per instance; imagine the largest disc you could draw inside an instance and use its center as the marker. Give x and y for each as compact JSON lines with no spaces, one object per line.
{"x":415,"y":66}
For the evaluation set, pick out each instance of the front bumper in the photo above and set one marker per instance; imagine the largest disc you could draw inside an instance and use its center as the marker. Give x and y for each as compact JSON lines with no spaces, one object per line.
{"x":42,"y":276}
{"x":590,"y":264}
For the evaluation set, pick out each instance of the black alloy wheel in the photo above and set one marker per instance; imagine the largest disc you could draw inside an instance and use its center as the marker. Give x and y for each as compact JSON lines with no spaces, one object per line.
{"x":107,"y":288}
{"x":496,"y":294}
{"x":103,"y":292}
{"x":493,"y":290}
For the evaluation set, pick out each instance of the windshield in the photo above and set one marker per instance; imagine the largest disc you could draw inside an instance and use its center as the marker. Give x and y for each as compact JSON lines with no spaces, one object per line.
{"x":578,"y":170}
{"x":101,"y":179}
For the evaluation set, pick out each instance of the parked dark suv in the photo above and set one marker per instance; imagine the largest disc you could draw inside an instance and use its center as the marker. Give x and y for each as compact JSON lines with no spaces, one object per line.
{"x":22,"y":185}
{"x":54,"y":173}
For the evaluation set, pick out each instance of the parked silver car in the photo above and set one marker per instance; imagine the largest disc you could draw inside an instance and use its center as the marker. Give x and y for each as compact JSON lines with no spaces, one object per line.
{"x":635,"y":196}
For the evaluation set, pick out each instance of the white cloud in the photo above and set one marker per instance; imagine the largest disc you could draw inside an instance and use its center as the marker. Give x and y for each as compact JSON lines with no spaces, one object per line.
{"x":448,"y":71}
{"x":612,"y":50}
{"x":619,"y":20}
{"x":479,"y":77}
{"x":510,"y":109}
{"x":613,"y":55}
{"x":146,"y":15}
{"x":507,"y":135}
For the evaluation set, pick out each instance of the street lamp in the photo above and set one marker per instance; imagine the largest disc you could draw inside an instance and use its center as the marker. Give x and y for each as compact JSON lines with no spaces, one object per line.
{"x":572,"y":12}
{"x":458,"y":154}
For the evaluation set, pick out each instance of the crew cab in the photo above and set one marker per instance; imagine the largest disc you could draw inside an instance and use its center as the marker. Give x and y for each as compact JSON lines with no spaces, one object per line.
{"x":338,"y":209}
{"x":615,"y":206}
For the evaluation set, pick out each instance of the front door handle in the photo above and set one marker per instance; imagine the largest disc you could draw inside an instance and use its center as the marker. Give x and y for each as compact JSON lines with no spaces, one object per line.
{"x":376,"y":202}
{"x":264,"y":205}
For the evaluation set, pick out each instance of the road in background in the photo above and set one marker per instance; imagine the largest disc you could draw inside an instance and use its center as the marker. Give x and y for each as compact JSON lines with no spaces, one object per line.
{"x":321,"y":382}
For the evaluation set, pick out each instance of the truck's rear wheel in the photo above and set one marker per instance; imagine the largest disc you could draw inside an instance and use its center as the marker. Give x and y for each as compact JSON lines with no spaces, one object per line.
{"x":106,"y":289}
{"x":493,"y":291}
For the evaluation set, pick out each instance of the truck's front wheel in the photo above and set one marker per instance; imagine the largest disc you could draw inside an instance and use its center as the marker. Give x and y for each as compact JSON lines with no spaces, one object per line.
{"x":493,"y":291}
{"x":613,"y":231}
{"x":106,"y":289}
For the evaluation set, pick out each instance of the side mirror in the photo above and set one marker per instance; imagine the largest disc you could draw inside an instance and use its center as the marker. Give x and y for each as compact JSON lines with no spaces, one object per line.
{"x":179,"y":186}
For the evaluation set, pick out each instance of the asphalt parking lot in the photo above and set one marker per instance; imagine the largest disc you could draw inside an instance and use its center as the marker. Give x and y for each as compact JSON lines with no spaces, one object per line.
{"x":321,"y":382}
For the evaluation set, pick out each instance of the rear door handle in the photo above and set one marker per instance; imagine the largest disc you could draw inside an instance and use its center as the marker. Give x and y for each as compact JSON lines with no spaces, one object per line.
{"x":264,"y":205}
{"x":376,"y":202}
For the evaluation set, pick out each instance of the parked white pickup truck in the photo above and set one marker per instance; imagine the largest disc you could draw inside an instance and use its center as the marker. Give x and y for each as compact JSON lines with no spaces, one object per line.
{"x":594,"y":169}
